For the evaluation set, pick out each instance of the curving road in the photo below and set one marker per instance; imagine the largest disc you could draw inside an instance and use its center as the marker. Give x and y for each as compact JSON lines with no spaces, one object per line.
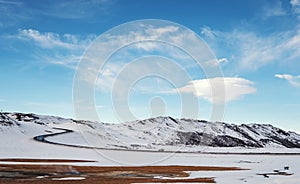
{"x":42,"y":138}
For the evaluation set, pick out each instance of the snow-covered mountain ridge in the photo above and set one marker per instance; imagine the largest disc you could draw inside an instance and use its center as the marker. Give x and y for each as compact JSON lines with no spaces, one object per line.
{"x":153,"y":133}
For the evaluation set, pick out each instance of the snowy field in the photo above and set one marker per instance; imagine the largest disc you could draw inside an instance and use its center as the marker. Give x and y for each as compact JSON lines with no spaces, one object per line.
{"x":255,"y":163}
{"x":18,"y":142}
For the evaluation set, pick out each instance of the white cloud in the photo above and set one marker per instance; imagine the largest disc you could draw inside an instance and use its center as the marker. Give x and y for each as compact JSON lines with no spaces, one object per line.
{"x":274,"y":10}
{"x":152,"y":34}
{"x":283,"y":76}
{"x":295,"y":2}
{"x":12,"y":12}
{"x":149,"y":71}
{"x":157,"y":32}
{"x":296,"y":7}
{"x":223,"y":60}
{"x":54,"y":48}
{"x":68,"y":60}
{"x":293,"y":80}
{"x":53,"y":40}
{"x":76,"y":9}
{"x":10,"y":2}
{"x":145,"y":39}
{"x":8,"y":15}
{"x":208,"y":32}
{"x":251,"y":51}
{"x":235,"y":88}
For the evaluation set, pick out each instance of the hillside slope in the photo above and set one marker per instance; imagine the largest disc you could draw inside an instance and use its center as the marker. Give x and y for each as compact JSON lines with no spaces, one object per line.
{"x":155,"y":133}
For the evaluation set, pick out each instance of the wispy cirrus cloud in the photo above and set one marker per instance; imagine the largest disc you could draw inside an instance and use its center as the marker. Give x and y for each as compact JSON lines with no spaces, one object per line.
{"x":51,"y":40}
{"x":252,"y":51}
{"x":65,"y":60}
{"x":274,"y":10}
{"x":53,"y":48}
{"x":11,"y":13}
{"x":67,"y":49}
{"x":296,"y":7}
{"x":293,"y":80}
{"x":76,"y":9}
{"x":169,"y":41}
{"x":18,"y":12}
{"x":10,"y":2}
{"x":208,"y":32}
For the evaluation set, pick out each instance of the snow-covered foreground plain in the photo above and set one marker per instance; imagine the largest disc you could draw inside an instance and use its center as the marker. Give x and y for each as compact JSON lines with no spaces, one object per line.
{"x":28,"y":148}
{"x":17,"y":141}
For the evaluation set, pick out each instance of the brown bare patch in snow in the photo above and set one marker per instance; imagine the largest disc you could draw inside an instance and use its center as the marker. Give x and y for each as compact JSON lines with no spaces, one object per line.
{"x":44,"y":174}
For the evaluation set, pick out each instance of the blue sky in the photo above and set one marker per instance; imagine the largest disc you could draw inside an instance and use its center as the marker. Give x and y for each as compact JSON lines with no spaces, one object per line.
{"x":257,"y":44}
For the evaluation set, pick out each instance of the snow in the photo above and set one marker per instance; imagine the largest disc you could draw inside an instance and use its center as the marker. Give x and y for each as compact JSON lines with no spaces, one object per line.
{"x":17,"y":142}
{"x":69,"y":178}
{"x":153,"y":134}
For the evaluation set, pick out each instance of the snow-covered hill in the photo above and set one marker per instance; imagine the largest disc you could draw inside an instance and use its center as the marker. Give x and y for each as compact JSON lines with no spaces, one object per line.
{"x":161,"y":133}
